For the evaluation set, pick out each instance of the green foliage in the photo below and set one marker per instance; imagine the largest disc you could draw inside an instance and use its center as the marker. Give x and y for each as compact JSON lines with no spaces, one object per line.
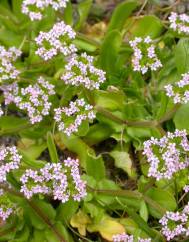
{"x":130,"y":108}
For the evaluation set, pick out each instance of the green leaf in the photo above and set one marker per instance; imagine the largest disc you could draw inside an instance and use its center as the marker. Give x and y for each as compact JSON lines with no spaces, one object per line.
{"x":107,"y":227}
{"x":112,"y":100}
{"x":182,"y":55}
{"x":38,"y":236}
{"x":120,"y":14}
{"x":66,"y":210}
{"x":22,"y":236}
{"x":38,"y":212}
{"x":109,"y":51}
{"x":74,"y":144}
{"x":11,"y":124}
{"x":33,"y":151}
{"x":83,"y":10}
{"x":94,"y":164}
{"x":123,"y":161}
{"x":97,"y":133}
{"x":52,"y":148}
{"x":144,"y":211}
{"x":17,"y":7}
{"x":181,"y":117}
{"x":84,"y":45}
{"x":68,"y":14}
{"x":163,"y":198}
{"x":144,"y":26}
{"x":106,"y":184}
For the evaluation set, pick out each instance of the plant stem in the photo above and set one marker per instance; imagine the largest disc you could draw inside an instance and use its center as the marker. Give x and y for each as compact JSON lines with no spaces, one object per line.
{"x":130,"y":194}
{"x":142,"y":123}
{"x":36,"y":209}
{"x":169,"y":114}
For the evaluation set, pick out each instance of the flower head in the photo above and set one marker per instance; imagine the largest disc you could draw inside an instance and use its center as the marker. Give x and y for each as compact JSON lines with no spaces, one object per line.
{"x":6,"y":206}
{"x":167,"y":155}
{"x":128,"y":238}
{"x":144,"y":57}
{"x":175,"y":224}
{"x":70,"y":118}
{"x":61,"y":180}
{"x":57,"y":40}
{"x":179,"y":23}
{"x":7,"y":69}
{"x":35,"y":8}
{"x":33,"y":99}
{"x":9,"y":160}
{"x":80,"y":71}
{"x":179,"y":91}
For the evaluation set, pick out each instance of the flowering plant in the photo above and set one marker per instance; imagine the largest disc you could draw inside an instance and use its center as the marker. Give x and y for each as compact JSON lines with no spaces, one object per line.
{"x":94,"y":121}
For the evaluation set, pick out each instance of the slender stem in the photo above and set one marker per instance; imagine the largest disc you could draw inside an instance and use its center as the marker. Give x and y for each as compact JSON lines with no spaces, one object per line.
{"x":169,"y":114}
{"x":36,"y":209}
{"x":142,"y":123}
{"x":87,"y":39}
{"x":45,"y":219}
{"x":130,"y":194}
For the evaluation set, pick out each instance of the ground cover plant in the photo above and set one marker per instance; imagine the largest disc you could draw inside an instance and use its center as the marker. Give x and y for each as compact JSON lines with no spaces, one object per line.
{"x":94,"y":110}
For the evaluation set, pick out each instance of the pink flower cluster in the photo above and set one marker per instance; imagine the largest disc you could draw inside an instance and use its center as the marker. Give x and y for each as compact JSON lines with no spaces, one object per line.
{"x":6,"y":207}
{"x":179,"y":91}
{"x":167,"y":155}
{"x":128,"y":238}
{"x":179,"y":23}
{"x":175,"y":223}
{"x":61,"y":180}
{"x":7,"y":70}
{"x":70,"y":118}
{"x":35,"y":8}
{"x":80,"y":71}
{"x":144,"y":57}
{"x":57,"y":40}
{"x":33,"y":99}
{"x":9,"y":160}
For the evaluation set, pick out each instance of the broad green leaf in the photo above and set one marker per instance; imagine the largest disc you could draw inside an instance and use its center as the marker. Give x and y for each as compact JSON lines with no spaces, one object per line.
{"x":66,"y":210}
{"x":95,"y":167}
{"x":144,"y":26}
{"x":63,"y":231}
{"x":8,"y":231}
{"x":52,"y":148}
{"x":68,"y":14}
{"x":38,"y":212}
{"x":106,"y":184}
{"x":112,"y":100}
{"x":11,"y":124}
{"x":96,"y":212}
{"x":181,"y":118}
{"x":182,"y":55}
{"x":144,"y":211}
{"x":33,"y":151}
{"x":123,"y":161}
{"x":163,"y":198}
{"x":32,"y":217}
{"x":97,"y":133}
{"x":74,"y":144}
{"x":22,"y":236}
{"x":84,"y":45}
{"x":38,"y":236}
{"x":83,"y":10}
{"x":120,"y":14}
{"x":107,"y":227}
{"x":109,"y":51}
{"x":17,"y":9}
{"x":80,"y":221}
